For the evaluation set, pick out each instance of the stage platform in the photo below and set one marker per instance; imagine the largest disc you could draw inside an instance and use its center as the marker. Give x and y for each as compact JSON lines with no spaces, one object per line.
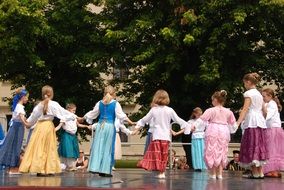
{"x":138,"y":179}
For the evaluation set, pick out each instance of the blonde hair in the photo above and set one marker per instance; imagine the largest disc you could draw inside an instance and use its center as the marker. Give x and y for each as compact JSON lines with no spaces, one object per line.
{"x":196,"y":110}
{"x":109,"y":94}
{"x":161,"y":97}
{"x":271,"y":93}
{"x":254,"y":78}
{"x":47,"y":94}
{"x":220,"y":96}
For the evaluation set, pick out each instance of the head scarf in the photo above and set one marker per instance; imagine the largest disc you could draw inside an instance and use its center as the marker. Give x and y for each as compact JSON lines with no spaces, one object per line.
{"x":18,"y":97}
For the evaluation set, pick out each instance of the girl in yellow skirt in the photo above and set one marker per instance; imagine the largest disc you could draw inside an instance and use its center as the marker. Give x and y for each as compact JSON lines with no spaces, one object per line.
{"x":41,"y":155}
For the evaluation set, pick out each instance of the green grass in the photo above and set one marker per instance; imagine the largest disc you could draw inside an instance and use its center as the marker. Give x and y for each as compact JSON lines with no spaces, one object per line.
{"x":126,"y":163}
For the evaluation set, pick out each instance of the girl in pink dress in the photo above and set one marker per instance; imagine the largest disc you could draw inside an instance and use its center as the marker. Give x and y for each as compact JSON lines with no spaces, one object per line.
{"x":217,"y":134}
{"x":275,"y":134}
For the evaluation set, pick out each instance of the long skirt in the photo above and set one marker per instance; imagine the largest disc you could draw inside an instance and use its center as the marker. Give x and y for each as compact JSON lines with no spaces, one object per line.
{"x":197,"y":152}
{"x":217,"y":138}
{"x":102,"y":150}
{"x":41,"y":155}
{"x":253,"y":151}
{"x":117,"y":152}
{"x":156,"y":156}
{"x":11,"y":147}
{"x":68,"y":146}
{"x":148,"y":140}
{"x":2,"y":135}
{"x":275,"y":149}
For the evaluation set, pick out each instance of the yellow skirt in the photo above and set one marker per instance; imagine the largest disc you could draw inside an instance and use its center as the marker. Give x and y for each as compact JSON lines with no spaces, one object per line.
{"x":41,"y":155}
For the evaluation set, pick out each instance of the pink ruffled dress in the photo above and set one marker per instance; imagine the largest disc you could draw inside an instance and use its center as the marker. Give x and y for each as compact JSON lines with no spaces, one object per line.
{"x":217,"y":135}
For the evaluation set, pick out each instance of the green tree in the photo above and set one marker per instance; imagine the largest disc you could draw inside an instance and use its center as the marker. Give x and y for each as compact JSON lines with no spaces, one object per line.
{"x":192,"y":48}
{"x":52,"y":42}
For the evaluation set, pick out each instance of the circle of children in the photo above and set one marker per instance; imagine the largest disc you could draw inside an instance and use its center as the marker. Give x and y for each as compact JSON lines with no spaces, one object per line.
{"x":261,"y":150}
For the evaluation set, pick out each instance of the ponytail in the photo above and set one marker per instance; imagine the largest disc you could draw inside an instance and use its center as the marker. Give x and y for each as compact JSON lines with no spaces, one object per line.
{"x":47,"y":94}
{"x":107,"y":98}
{"x":109,"y":94}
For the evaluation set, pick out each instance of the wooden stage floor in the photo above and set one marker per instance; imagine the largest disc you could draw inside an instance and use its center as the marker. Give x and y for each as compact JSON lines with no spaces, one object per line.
{"x":138,"y":179}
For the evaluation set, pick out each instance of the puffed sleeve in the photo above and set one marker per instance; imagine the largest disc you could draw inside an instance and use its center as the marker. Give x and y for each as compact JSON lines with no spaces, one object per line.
{"x":60,"y":112}
{"x":183,"y":124}
{"x":119,"y":112}
{"x":247,"y":94}
{"x":272,"y":109}
{"x":231,"y":118}
{"x":93,"y":114}
{"x":146,"y":119}
{"x":124,"y":129}
{"x":20,"y":110}
{"x":36,"y":114}
{"x":207,"y":115}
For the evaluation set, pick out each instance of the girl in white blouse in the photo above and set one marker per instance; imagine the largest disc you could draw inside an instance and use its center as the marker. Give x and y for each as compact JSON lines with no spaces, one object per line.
{"x":41,"y":155}
{"x":253,"y":152}
{"x":160,"y":116}
{"x":275,"y":134}
{"x":11,"y":147}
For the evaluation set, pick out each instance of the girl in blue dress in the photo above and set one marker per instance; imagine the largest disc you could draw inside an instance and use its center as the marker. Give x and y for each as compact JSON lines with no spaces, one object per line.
{"x":11,"y":147}
{"x":102,"y":149}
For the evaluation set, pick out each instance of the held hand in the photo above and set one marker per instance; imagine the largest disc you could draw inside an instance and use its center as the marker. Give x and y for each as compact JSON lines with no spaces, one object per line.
{"x":89,"y":127}
{"x":193,"y":128}
{"x":80,"y":119}
{"x":135,"y":132}
{"x":174,"y":133}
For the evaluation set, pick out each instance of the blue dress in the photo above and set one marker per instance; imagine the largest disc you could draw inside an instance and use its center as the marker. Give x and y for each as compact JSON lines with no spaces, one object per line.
{"x":2,"y":135}
{"x":11,"y":147}
{"x":102,"y":149}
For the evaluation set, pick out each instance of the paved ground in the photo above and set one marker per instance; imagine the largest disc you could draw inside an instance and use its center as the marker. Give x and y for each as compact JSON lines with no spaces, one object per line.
{"x":140,"y":179}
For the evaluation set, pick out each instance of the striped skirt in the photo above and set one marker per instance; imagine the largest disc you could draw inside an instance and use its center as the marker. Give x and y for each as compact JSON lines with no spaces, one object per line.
{"x":156,"y":157}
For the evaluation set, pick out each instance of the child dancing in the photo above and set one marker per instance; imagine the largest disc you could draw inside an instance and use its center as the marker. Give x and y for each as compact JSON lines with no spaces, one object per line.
{"x":160,"y":116}
{"x":102,"y":149}
{"x":68,"y":149}
{"x":217,"y":134}
{"x":275,"y":134}
{"x":12,"y":144}
{"x":41,"y":155}
{"x":253,"y":152}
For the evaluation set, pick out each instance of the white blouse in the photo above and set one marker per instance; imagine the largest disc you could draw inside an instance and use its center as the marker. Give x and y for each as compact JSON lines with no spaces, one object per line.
{"x":254,"y":117}
{"x":200,"y":127}
{"x":161,"y":117}
{"x":273,"y":116}
{"x":70,"y":126}
{"x":53,"y":110}
{"x":19,"y":110}
{"x":93,"y":114}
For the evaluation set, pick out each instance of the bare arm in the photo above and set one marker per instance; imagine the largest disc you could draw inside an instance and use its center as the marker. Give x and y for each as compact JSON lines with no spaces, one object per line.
{"x":24,"y":120}
{"x":82,"y":125}
{"x":244,"y":111}
{"x":178,"y":133}
{"x":59,"y":126}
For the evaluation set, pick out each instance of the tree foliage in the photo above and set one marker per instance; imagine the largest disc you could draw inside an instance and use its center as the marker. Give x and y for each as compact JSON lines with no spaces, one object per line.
{"x":190,"y":48}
